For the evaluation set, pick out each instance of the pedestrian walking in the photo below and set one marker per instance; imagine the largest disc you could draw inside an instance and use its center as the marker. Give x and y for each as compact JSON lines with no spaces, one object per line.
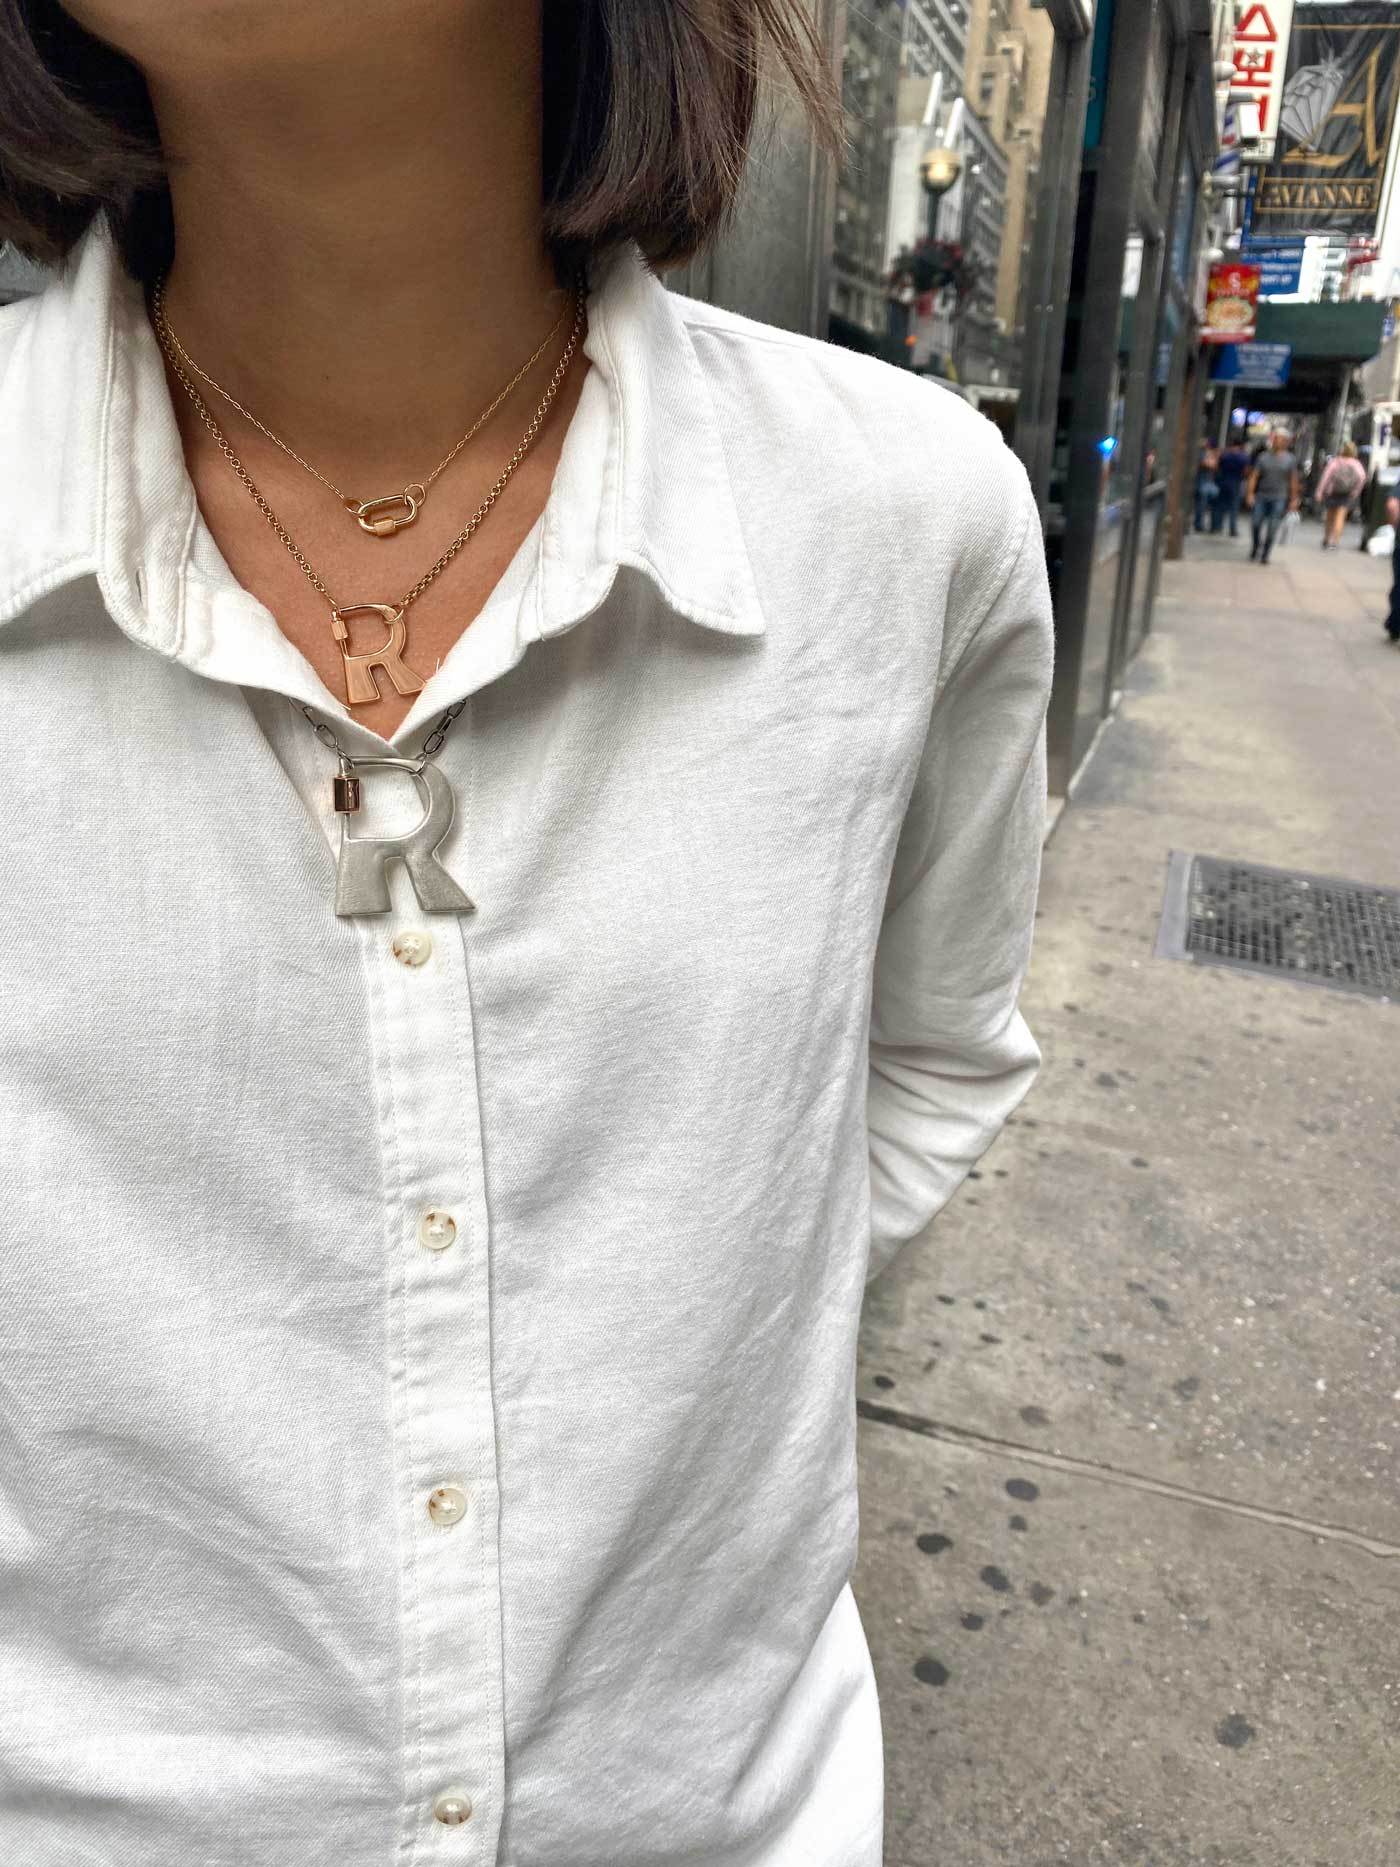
{"x":1230,"y":474}
{"x":1343,"y":480}
{"x":1392,"y":621}
{"x":1273,"y":489}
{"x":1374,"y":494}
{"x":1207,"y":489}
{"x":493,"y":955}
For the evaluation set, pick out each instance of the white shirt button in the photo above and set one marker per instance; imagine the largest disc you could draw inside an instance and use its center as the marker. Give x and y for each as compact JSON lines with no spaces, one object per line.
{"x":452,"y":1806}
{"x":413,"y":947}
{"x":437,"y":1230}
{"x":448,"y":1504}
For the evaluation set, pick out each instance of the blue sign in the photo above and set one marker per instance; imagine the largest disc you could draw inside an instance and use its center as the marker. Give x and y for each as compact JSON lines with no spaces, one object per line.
{"x":1280,"y":264}
{"x":1280,"y":273}
{"x":1257,"y":366}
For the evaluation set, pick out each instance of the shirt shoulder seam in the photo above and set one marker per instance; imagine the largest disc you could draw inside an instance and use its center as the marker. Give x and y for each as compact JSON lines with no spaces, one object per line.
{"x":748,"y":332}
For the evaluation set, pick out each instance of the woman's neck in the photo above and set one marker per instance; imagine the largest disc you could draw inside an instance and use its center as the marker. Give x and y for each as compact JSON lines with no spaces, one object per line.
{"x":358,"y":248}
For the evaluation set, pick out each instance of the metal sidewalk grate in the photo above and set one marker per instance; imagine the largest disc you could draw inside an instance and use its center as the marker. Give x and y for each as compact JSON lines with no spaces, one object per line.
{"x":1315,"y":929}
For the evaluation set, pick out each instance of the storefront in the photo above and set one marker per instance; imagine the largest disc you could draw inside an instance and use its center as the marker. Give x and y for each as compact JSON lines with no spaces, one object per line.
{"x":1102,"y":429}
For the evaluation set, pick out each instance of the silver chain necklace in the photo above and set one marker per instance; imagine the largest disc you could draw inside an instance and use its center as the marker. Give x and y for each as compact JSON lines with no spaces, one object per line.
{"x":361,"y":881}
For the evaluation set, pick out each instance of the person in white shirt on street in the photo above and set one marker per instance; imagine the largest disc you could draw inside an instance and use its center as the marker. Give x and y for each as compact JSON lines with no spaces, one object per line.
{"x":523,"y":804}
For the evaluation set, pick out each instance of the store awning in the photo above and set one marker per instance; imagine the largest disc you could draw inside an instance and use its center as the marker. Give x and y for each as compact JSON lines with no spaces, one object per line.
{"x":1326,"y":333}
{"x":1327,"y":341}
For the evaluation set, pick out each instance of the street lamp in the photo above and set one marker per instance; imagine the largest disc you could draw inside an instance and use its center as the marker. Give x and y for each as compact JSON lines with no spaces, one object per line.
{"x":941,"y":165}
{"x":938,"y":171}
{"x":940,"y":168}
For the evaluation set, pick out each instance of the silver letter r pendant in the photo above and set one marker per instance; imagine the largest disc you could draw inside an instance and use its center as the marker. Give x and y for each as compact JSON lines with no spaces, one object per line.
{"x":361,"y":884}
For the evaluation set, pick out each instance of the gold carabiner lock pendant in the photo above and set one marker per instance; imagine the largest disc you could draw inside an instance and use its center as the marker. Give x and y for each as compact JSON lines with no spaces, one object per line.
{"x":381,"y":518}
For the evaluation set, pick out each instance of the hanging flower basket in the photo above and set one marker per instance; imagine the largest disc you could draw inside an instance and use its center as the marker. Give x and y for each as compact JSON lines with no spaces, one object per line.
{"x":935,"y":266}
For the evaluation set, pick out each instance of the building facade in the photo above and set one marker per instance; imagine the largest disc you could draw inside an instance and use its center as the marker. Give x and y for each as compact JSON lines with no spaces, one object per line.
{"x":775,"y":261}
{"x":870,"y":58}
{"x":975,"y":217}
{"x":1007,"y":79}
{"x":934,"y":42}
{"x":975,"y":76}
{"x":1109,"y":425}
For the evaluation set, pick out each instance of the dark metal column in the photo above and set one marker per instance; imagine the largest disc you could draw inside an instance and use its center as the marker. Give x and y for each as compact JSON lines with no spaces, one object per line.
{"x":1142,"y":537}
{"x":1052,"y":248}
{"x":1090,"y":548}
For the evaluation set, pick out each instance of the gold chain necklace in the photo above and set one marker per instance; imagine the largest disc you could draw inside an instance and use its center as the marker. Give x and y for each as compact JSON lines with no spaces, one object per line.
{"x":391,"y":512}
{"x":361,"y":687}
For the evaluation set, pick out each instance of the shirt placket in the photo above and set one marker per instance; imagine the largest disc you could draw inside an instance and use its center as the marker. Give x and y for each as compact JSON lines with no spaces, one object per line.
{"x":436,"y":1246}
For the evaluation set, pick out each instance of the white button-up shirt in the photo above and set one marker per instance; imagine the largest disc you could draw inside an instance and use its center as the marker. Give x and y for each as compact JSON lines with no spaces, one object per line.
{"x":426,"y":1341}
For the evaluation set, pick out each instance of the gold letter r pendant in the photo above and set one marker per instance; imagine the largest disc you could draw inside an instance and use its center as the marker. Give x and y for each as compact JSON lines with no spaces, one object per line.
{"x":360,"y":684}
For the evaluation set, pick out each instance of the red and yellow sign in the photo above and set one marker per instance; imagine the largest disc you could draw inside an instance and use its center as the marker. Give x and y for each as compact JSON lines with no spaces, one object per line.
{"x":1259,"y":53}
{"x":1232,"y":302}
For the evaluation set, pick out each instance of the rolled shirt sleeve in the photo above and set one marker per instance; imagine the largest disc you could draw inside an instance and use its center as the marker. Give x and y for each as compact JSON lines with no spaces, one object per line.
{"x":950,"y":1054}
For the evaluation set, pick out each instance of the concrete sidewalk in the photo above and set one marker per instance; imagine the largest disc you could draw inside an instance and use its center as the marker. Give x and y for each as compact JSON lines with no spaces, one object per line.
{"x":1131,"y":1411}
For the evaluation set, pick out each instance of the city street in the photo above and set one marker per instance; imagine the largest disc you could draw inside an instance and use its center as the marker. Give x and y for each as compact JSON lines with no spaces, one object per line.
{"x":1130,"y":1560}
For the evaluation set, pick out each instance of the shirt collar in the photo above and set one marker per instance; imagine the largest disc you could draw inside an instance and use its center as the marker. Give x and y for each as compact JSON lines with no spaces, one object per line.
{"x":92,"y":480}
{"x":668,"y":507}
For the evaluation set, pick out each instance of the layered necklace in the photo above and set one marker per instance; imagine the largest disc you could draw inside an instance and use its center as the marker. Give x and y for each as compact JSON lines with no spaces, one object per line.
{"x":361,"y":886}
{"x":380,"y":517}
{"x":361,"y":687}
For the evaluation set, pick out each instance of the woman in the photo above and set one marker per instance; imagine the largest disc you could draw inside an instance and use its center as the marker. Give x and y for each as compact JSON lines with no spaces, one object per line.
{"x":439,"y":1195}
{"x":1343,"y":480}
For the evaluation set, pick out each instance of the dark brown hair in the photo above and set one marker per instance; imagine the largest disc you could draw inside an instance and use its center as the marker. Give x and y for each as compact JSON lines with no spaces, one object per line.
{"x":649,"y":106}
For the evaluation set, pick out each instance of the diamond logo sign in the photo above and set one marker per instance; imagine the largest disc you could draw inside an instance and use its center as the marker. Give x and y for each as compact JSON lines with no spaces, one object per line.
{"x":1335,"y":118}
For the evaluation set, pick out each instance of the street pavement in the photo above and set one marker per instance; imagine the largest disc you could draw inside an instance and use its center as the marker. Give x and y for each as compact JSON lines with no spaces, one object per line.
{"x":1130,"y":1535}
